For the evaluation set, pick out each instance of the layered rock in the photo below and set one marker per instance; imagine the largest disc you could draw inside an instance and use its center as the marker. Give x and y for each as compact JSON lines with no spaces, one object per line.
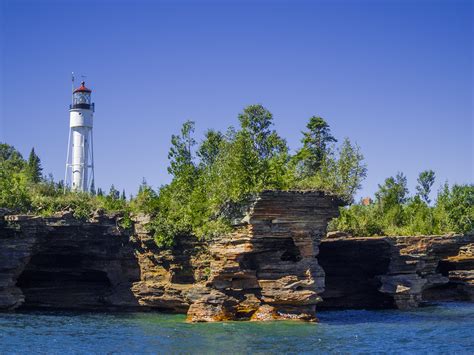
{"x":401,"y":272}
{"x":61,"y":262}
{"x":267,"y":268}
{"x":15,"y":252}
{"x":457,"y":265}
{"x":167,"y":277}
{"x":353,"y":267}
{"x":272,"y":266}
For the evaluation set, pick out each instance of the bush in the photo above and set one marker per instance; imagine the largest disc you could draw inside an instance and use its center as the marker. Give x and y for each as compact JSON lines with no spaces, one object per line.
{"x":454,"y":210}
{"x":394,"y":213}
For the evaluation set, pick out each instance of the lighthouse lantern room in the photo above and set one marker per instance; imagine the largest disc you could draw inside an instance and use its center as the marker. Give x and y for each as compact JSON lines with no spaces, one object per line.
{"x":79,"y":175}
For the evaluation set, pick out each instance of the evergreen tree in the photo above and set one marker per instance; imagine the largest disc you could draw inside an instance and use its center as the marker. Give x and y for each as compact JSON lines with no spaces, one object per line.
{"x":257,"y":154}
{"x":114,"y":194}
{"x":92,"y":189}
{"x":143,"y":185}
{"x":180,"y":153}
{"x":60,"y":185}
{"x":123,"y":197}
{"x":34,"y":167}
{"x":210,"y":148}
{"x":425,"y":181}
{"x":256,"y":121}
{"x":316,"y":140}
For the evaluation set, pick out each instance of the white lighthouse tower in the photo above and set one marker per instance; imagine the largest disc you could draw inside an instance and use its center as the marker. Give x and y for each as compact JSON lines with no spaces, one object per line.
{"x":79,"y":174}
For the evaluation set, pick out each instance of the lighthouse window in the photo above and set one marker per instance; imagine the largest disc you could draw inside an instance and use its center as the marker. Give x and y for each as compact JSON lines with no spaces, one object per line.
{"x":81,"y":98}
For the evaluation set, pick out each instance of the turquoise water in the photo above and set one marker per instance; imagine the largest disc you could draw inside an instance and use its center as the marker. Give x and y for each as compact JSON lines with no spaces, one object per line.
{"x":443,"y":328}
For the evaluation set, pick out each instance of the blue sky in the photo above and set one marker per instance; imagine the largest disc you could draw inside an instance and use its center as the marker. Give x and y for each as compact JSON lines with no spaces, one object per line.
{"x":394,"y":76}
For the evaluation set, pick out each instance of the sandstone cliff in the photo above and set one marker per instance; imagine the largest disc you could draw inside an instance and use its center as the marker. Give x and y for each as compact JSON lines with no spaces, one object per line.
{"x":273,"y":266}
{"x":268,"y":268}
{"x":65,"y":263}
{"x":402,"y":272}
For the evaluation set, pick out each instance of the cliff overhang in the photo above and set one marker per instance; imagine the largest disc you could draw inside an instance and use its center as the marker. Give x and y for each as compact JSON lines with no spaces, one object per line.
{"x":276,"y":264}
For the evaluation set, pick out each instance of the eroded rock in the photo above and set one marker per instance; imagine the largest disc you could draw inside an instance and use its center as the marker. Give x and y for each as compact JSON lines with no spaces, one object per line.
{"x":267,"y":269}
{"x":401,"y":272}
{"x":272,"y":266}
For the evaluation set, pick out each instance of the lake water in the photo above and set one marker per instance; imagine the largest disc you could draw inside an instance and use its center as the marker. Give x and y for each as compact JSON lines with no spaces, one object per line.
{"x":443,"y":328}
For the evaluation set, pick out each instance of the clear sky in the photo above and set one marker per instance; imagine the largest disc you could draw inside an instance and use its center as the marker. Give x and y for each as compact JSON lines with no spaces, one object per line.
{"x":394,"y":76}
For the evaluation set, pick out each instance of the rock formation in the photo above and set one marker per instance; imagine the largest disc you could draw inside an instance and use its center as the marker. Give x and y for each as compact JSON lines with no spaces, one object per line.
{"x":61,"y":262}
{"x":402,"y":272}
{"x":167,"y":277}
{"x":272,"y":266}
{"x":267,"y":269}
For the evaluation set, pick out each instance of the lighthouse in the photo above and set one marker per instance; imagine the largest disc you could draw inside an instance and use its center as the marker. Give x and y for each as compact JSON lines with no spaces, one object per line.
{"x":79,"y":175}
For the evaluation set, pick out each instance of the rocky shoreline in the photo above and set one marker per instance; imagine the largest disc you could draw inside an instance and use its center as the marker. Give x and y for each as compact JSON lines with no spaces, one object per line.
{"x":276,"y":264}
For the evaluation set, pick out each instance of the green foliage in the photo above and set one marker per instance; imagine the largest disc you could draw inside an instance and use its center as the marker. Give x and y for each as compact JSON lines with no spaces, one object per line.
{"x":454,"y":209}
{"x":81,"y":204}
{"x":425,"y":181}
{"x":180,"y":154}
{"x":394,"y":213}
{"x":13,"y":179}
{"x":210,"y":148}
{"x":418,"y":219}
{"x":230,"y":167}
{"x":359,"y":221}
{"x":393,"y":192}
{"x":146,"y":200}
{"x":339,"y":173}
{"x":33,"y":168}
{"x":13,"y":190}
{"x":23,"y":190}
{"x":316,"y":140}
{"x":11,"y":159}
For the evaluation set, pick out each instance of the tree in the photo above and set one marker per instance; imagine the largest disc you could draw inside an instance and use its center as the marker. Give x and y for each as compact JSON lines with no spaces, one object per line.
{"x":180,"y":153}
{"x":454,"y":208}
{"x":146,"y":200}
{"x":92,"y":189}
{"x":14,"y":193}
{"x":123,"y":196}
{"x":351,"y":170}
{"x":259,"y":153}
{"x":425,"y":181}
{"x":316,"y":140}
{"x":256,"y":122}
{"x":10,"y":158}
{"x":393,"y":192}
{"x":210,"y":147}
{"x":390,"y":199}
{"x":34,"y":167}
{"x":114,"y":194}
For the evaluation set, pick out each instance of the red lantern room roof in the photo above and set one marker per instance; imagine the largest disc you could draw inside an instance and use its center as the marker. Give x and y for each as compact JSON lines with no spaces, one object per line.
{"x":82,"y":88}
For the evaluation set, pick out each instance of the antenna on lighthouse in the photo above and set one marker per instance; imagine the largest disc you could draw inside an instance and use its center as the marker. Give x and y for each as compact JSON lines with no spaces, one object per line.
{"x":72,"y":89}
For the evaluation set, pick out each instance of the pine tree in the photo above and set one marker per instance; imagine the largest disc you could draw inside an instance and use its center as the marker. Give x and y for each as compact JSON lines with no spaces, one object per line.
{"x":316,"y":141}
{"x":34,"y":167}
{"x":425,"y":181}
{"x":114,"y":194}
{"x":92,"y":190}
